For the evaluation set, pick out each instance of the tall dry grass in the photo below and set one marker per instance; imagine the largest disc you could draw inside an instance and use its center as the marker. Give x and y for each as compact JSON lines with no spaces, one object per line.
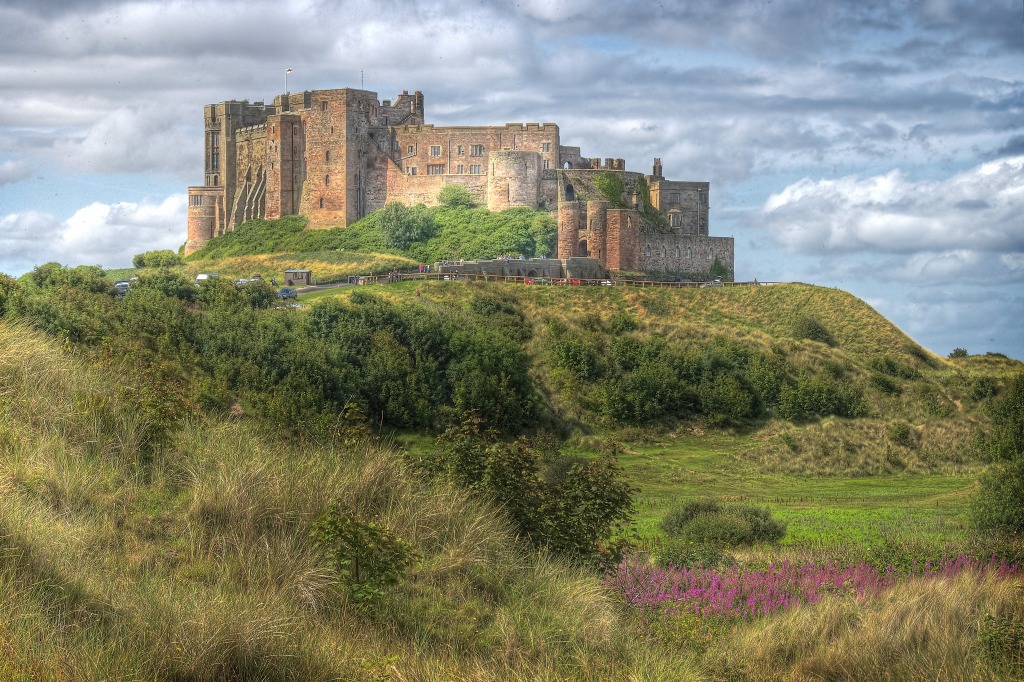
{"x":925,"y":629}
{"x":194,"y":562}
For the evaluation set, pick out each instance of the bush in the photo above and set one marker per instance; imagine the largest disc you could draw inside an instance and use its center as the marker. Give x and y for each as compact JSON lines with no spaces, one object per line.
{"x":401,"y":225}
{"x":164,"y":258}
{"x":810,"y":396}
{"x":10,"y":294}
{"x":685,"y":554}
{"x":805,"y":327}
{"x":678,"y":517}
{"x":709,"y":521}
{"x":574,"y":510}
{"x":455,"y":195}
{"x":721,"y":528}
{"x":893,"y":368}
{"x":764,"y":526}
{"x":998,"y":505}
{"x":884,"y":384}
{"x":958,"y":353}
{"x":903,"y":434}
{"x":1007,"y":412}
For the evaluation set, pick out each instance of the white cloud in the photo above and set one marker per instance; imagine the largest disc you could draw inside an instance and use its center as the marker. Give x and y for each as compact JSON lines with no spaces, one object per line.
{"x":97,"y":234}
{"x":131,"y":140}
{"x":12,"y":171}
{"x":976,"y":210}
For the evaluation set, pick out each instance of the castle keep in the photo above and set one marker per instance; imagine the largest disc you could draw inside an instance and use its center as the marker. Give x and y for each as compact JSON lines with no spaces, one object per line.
{"x":336,"y":155}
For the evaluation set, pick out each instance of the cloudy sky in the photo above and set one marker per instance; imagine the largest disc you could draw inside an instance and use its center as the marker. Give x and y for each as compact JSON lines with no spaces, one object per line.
{"x":876,"y":146}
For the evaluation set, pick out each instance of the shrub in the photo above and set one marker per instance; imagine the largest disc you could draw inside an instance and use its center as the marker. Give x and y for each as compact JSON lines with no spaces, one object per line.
{"x":958,"y":353}
{"x":685,"y":554}
{"x":366,"y":557}
{"x":169,"y":284}
{"x":884,"y":384}
{"x":997,"y":506}
{"x":821,"y":395}
{"x":805,"y":327}
{"x":1007,"y":412}
{"x":574,"y":510}
{"x":10,"y":294}
{"x":903,"y":434}
{"x":709,"y":521}
{"x":764,"y":526}
{"x":610,"y":187}
{"x":401,"y":225}
{"x":893,"y":368}
{"x":1002,"y":640}
{"x":720,"y":528}
{"x":163,"y":258}
{"x":678,"y":517}
{"x":455,"y":195}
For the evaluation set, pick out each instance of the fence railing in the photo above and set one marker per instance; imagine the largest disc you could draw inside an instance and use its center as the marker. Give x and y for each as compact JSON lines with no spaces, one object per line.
{"x":541,"y":281}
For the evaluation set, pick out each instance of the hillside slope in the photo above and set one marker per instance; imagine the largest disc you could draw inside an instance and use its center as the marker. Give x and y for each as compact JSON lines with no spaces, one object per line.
{"x":193,"y":561}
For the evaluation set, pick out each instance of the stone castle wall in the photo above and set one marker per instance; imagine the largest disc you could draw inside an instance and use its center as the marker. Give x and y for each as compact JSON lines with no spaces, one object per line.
{"x":337,"y":155}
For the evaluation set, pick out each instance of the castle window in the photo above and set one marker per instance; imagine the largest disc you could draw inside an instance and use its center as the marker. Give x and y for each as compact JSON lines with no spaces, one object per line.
{"x":460,"y":150}
{"x":710,"y":254}
{"x":216,"y":180}
{"x":476,"y":150}
{"x":648,"y":252}
{"x":412,"y":149}
{"x":327,"y":180}
{"x":215,"y":160}
{"x":547,"y":163}
{"x":321,"y":202}
{"x":545,"y":147}
{"x":435,"y":169}
{"x":327,"y":156}
{"x":323,"y":107}
{"x":675,"y":219}
{"x":474,"y":170}
{"x":214,"y":139}
{"x":689,"y":252}
{"x":460,"y":169}
{"x":677,"y":252}
{"x":411,"y":170}
{"x":435,"y":150}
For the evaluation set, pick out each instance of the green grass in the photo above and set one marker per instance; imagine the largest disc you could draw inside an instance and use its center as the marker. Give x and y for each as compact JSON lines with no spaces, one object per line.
{"x":684,"y":467}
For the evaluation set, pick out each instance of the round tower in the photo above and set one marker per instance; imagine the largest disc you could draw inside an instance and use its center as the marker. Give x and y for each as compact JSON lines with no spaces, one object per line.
{"x":513,"y":180}
{"x":568,"y":229}
{"x":203,"y":216}
{"x":597,"y":229}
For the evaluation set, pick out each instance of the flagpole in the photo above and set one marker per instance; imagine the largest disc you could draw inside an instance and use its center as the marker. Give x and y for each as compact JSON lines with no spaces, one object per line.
{"x":286,"y":72}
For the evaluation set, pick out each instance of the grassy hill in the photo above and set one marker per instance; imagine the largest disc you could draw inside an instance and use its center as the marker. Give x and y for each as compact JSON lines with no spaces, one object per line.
{"x":165,"y":460}
{"x":397,"y":237}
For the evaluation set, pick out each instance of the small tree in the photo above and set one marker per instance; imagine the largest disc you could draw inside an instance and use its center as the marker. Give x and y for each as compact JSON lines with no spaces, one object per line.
{"x":368,"y":558}
{"x":958,"y":353}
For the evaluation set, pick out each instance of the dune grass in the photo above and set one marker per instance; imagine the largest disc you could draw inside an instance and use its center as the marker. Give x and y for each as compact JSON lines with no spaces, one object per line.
{"x":194,"y":562}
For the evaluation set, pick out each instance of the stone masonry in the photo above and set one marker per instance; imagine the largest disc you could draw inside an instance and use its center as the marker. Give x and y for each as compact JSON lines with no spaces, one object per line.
{"x":335,"y":156}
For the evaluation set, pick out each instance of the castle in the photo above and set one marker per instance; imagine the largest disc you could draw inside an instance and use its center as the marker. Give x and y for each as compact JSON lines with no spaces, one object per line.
{"x":337,"y":155}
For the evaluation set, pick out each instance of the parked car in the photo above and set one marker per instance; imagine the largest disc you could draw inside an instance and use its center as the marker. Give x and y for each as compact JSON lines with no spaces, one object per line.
{"x":716,"y":282}
{"x":606,"y":282}
{"x":287,"y":292}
